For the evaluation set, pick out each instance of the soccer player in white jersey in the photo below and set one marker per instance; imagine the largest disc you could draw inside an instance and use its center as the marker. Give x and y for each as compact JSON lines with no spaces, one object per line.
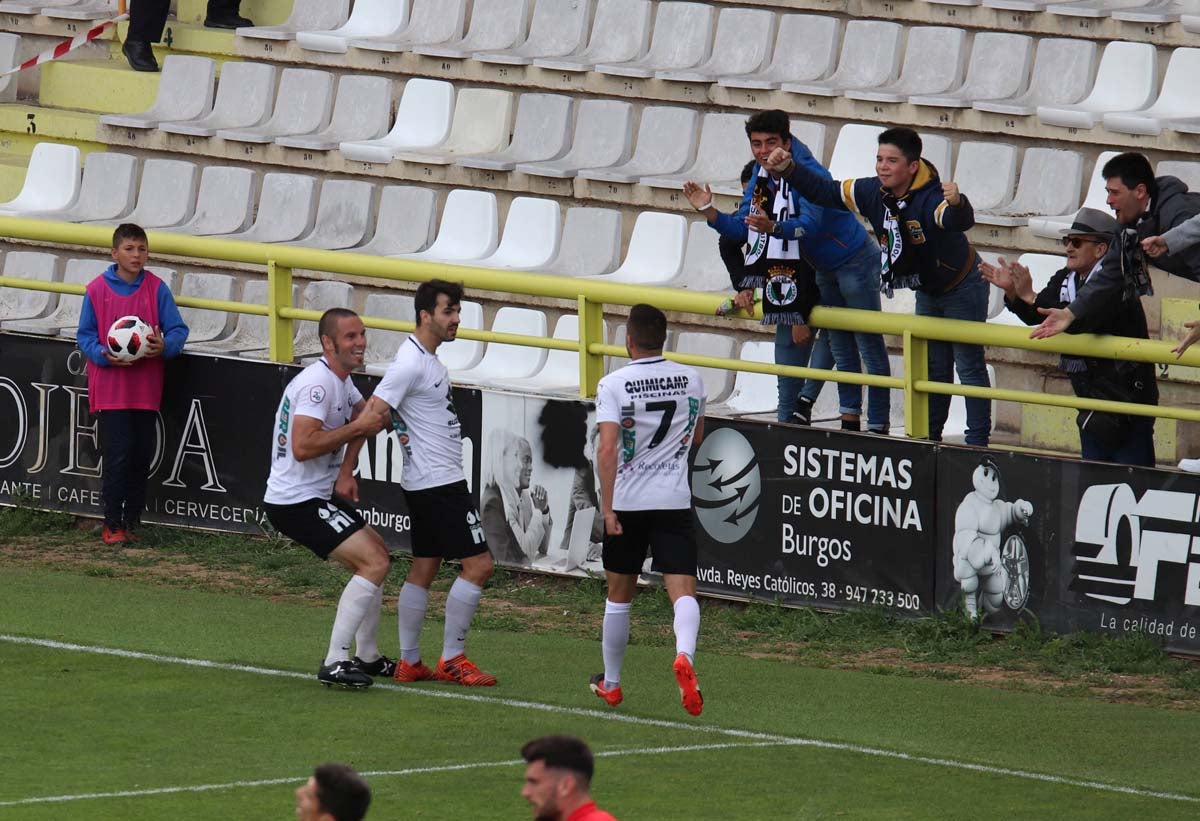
{"x":650,"y":414}
{"x":310,"y":488}
{"x":415,"y":395}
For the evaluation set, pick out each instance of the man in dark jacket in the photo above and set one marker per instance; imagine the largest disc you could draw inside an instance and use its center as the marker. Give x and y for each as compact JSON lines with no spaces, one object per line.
{"x":920,"y":221}
{"x":1147,"y":208}
{"x":1107,"y":437}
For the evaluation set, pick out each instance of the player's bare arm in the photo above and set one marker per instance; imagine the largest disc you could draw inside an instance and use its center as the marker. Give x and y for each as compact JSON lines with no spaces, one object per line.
{"x":346,"y":485}
{"x":309,"y":441}
{"x":606,"y":465}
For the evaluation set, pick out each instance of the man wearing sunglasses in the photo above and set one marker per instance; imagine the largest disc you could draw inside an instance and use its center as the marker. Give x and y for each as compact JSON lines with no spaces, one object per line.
{"x":1105,"y":437}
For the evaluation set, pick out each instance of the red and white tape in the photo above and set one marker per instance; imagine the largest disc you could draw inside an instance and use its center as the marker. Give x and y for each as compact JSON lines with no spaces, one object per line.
{"x":66,"y":46}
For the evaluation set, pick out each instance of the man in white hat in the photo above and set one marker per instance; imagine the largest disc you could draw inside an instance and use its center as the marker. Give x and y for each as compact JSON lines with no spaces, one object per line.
{"x":1105,"y":437}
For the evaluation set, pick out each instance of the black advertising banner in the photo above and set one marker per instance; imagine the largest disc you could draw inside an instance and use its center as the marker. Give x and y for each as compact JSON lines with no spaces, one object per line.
{"x":214,"y":438}
{"x":1080,"y":545}
{"x":814,"y":518}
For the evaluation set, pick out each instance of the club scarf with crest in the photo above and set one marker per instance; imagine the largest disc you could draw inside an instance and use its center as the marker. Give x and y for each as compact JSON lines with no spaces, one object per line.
{"x":896,"y":257}
{"x":774,"y":263}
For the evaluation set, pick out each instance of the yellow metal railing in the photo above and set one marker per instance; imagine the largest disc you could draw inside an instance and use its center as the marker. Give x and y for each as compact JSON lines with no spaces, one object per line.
{"x":591,"y":296}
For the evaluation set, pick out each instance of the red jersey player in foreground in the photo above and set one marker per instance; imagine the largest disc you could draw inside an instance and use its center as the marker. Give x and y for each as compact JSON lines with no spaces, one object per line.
{"x":558,"y":780}
{"x":650,"y":414}
{"x":310,"y":490}
{"x":415,"y":395}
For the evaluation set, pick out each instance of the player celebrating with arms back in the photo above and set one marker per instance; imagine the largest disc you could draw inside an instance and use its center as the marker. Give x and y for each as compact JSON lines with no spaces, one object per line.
{"x":319,"y":413}
{"x":415,"y":395}
{"x":650,"y":413}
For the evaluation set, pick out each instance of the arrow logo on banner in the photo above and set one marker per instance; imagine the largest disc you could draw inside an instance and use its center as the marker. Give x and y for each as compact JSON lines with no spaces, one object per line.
{"x":739,"y":494}
{"x":713,"y":464}
{"x":737,"y":515}
{"x":719,"y":483}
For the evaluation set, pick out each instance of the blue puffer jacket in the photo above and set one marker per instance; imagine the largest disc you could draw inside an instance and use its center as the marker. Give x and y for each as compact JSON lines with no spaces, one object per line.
{"x":828,"y":236}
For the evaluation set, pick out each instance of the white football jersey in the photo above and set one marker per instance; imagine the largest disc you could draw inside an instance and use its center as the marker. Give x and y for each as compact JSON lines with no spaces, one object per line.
{"x":657,"y":404}
{"x":318,"y":393}
{"x":417,"y":387}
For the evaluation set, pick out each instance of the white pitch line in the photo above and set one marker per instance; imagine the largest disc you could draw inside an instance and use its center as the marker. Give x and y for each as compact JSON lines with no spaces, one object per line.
{"x":769,"y":739}
{"x":274,"y":782}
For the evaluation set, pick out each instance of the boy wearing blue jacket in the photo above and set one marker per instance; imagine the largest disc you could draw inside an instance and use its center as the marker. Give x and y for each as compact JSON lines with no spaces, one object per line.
{"x":921,"y":223}
{"x":846,"y":261}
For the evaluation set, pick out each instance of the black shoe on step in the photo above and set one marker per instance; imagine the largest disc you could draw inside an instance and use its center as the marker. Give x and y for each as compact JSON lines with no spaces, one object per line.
{"x":343,"y":674}
{"x":140,"y":55}
{"x":227,"y":21}
{"x":382,"y":667}
{"x":852,"y":424}
{"x":802,"y":414}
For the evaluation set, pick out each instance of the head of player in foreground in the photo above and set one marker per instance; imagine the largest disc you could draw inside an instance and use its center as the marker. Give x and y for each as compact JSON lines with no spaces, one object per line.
{"x":558,"y":778}
{"x":130,"y":250}
{"x":1130,"y":186}
{"x":898,"y":159}
{"x":438,"y":305}
{"x":334,"y":792}
{"x":343,"y":340}
{"x":645,"y":332}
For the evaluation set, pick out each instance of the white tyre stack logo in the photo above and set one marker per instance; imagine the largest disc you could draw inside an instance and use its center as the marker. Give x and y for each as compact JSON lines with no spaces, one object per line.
{"x":726,"y":485}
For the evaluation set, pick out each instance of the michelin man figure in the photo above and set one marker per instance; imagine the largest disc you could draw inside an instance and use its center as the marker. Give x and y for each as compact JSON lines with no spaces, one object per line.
{"x":979,"y":524}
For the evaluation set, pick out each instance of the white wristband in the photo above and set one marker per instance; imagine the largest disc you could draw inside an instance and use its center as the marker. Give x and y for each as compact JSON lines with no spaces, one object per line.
{"x":704,"y":207}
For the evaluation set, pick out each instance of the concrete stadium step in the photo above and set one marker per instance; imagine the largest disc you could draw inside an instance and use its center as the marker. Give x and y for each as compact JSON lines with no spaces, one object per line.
{"x":189,"y":38}
{"x":101,"y":86}
{"x":1046,"y":427}
{"x":38,"y":123}
{"x":262,"y":12}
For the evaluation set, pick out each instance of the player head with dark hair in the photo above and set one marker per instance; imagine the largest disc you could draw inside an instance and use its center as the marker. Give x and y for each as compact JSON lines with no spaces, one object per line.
{"x":425,"y":301}
{"x":438,"y":305}
{"x":646,"y":330}
{"x":335,"y":792}
{"x":558,"y":777}
{"x":747,"y":172}
{"x":1130,"y":184}
{"x":767,"y":131}
{"x":343,"y":339}
{"x":130,"y":250}
{"x":128,"y":230}
{"x":898,"y":159}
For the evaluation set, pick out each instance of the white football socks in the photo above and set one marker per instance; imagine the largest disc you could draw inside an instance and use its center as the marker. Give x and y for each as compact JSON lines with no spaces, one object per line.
{"x":366,"y":640}
{"x":411,"y":603}
{"x":614,"y":639}
{"x":352,"y":607}
{"x":687,"y":626}
{"x":460,"y":609}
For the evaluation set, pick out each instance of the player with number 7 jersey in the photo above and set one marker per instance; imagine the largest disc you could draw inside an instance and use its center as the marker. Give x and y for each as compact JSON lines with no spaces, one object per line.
{"x":650,"y":414}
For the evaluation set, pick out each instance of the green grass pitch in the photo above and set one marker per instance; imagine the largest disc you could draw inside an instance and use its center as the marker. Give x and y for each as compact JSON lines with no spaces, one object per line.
{"x":145,"y":735}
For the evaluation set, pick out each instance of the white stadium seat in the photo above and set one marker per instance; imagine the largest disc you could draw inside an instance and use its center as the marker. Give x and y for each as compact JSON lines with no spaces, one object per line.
{"x":166,"y":195}
{"x":343,"y":217}
{"x":404,"y":221}
{"x":382,"y":345}
{"x":285,"y":209}
{"x":556,"y":29}
{"x":481,"y":124}
{"x":720,"y":155}
{"x":205,"y":324}
{"x":1126,"y":80}
{"x":655,"y":253}
{"x":250,"y":331}
{"x":1096,"y":197}
{"x":590,"y":244}
{"x":854,"y":152}
{"x":812,"y":135}
{"x":620,"y":33}
{"x":541,"y":131}
{"x":933,"y":63}
{"x":870,"y":57}
{"x":1155,"y":12}
{"x":821,"y":35}
{"x":106,"y":192}
{"x":66,"y":312}
{"x":717,"y":381}
{"x":307,"y":15}
{"x":752,"y":392}
{"x":1187,"y":171}
{"x":319,"y":295}
{"x":1177,"y":100}
{"x":10,"y":55}
{"x":937,"y":151}
{"x":19,"y":303}
{"x":505,"y":362}
{"x":987,"y":172}
{"x":742,"y":45}
{"x":422,"y":120}
{"x":430,"y":23}
{"x":1095,"y":9}
{"x":603,"y":137}
{"x":244,"y":98}
{"x":369,"y":18}
{"x":302,"y":106}
{"x":462,"y":354}
{"x":1049,"y":184}
{"x":560,"y":374}
{"x":185,"y":92}
{"x":360,"y":112}
{"x":1063,"y":69}
{"x":683,"y":34}
{"x":999,"y":69}
{"x":531,"y":235}
{"x":469,"y":229}
{"x":51,"y":183}
{"x":224,"y":203}
{"x":665,"y":144}
{"x":703,"y":268}
{"x":495,"y":25}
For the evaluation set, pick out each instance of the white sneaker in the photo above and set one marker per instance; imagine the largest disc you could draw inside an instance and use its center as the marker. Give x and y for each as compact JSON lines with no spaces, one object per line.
{"x":1190,"y":465}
